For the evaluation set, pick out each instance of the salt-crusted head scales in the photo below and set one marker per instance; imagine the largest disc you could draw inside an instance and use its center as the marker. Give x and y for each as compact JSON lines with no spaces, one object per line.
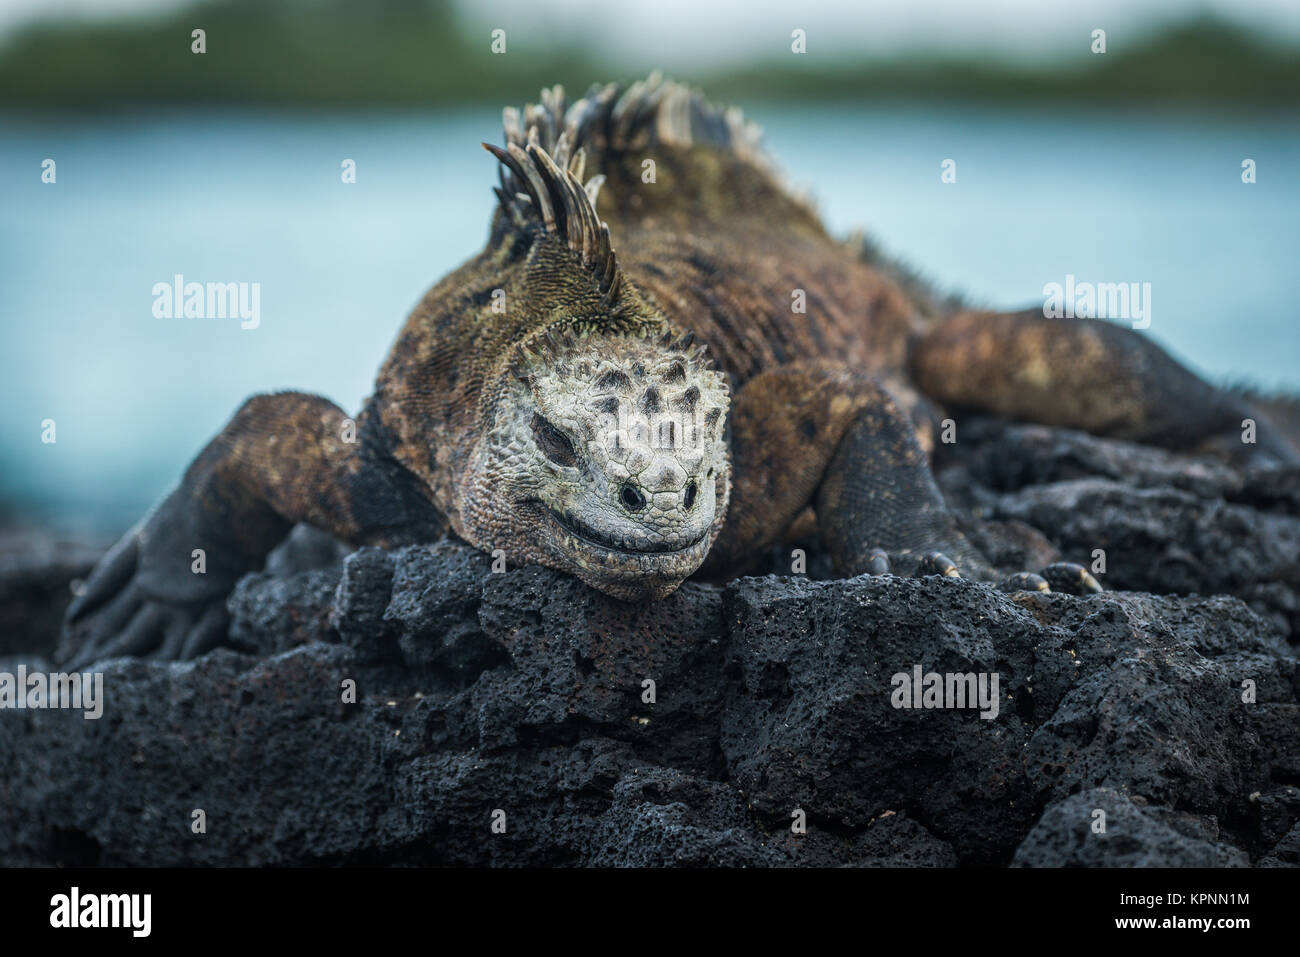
{"x":607,"y":459}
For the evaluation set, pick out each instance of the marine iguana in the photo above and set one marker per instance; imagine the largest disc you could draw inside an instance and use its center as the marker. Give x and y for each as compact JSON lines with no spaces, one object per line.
{"x":554,"y":399}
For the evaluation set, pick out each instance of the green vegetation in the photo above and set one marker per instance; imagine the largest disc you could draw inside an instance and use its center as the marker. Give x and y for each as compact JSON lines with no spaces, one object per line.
{"x":1202,"y":61}
{"x":404,"y":53}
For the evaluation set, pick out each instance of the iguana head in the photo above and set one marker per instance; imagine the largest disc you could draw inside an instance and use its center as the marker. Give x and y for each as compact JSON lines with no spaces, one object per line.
{"x":607,"y":459}
{"x":603,"y":453}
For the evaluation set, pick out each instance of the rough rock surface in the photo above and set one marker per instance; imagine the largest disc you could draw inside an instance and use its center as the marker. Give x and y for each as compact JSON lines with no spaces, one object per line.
{"x":521,"y":698}
{"x":35,"y":569}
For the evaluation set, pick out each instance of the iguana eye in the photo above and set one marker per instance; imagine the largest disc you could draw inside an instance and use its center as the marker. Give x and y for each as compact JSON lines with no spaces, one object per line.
{"x":555,"y":445}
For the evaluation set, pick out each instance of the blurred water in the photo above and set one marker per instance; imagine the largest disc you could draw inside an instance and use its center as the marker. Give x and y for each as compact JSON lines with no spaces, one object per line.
{"x":258,"y":198}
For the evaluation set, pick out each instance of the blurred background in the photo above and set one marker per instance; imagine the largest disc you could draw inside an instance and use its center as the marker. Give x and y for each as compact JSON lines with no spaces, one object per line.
{"x":225,"y":167}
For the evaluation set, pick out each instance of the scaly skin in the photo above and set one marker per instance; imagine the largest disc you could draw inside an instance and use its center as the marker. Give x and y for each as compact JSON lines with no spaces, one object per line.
{"x":553,"y":399}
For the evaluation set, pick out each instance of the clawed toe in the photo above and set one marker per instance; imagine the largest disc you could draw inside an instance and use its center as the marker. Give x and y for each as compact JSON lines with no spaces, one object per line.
{"x":937,"y":563}
{"x":932,"y":563}
{"x":1025,"y":581}
{"x":878,"y":562}
{"x":1064,"y":577}
{"x":207,"y":633}
{"x":1071,"y":578}
{"x":109,"y":578}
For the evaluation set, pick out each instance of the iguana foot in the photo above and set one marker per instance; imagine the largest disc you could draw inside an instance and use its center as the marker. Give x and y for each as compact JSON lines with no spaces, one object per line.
{"x":114,"y":615}
{"x":1025,"y":581}
{"x":1071,"y":578}
{"x":937,"y":563}
{"x":133,"y":625}
{"x":879,"y":562}
{"x":1064,"y":577}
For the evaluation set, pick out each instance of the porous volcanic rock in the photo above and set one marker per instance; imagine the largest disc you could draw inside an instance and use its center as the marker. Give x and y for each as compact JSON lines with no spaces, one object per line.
{"x":415,"y":707}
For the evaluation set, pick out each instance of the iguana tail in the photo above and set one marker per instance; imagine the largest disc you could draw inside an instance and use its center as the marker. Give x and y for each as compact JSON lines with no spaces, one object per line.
{"x":1093,"y":375}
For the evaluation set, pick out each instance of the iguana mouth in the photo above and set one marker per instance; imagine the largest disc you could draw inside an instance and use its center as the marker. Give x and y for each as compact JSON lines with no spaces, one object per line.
{"x":588,"y":536}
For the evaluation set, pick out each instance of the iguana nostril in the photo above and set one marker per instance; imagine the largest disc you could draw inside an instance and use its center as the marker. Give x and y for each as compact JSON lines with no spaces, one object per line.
{"x":689,"y":498}
{"x":631,"y":498}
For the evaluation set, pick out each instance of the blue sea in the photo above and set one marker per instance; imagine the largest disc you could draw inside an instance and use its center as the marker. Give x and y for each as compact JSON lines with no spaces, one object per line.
{"x":258,"y":198}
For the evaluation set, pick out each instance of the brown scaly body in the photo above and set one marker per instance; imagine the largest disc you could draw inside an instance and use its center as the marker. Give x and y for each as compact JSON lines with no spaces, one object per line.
{"x":552,"y":398}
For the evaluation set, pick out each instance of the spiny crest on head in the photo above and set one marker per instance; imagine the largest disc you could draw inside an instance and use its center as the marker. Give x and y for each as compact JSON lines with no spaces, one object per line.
{"x":541,"y":182}
{"x":547,"y":350}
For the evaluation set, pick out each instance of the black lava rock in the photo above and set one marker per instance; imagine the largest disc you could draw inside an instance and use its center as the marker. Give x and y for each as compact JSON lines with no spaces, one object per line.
{"x":414,"y":707}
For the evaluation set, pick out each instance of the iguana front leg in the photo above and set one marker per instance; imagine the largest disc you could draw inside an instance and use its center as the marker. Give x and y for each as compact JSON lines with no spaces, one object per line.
{"x":282,"y":459}
{"x":817,"y":433}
